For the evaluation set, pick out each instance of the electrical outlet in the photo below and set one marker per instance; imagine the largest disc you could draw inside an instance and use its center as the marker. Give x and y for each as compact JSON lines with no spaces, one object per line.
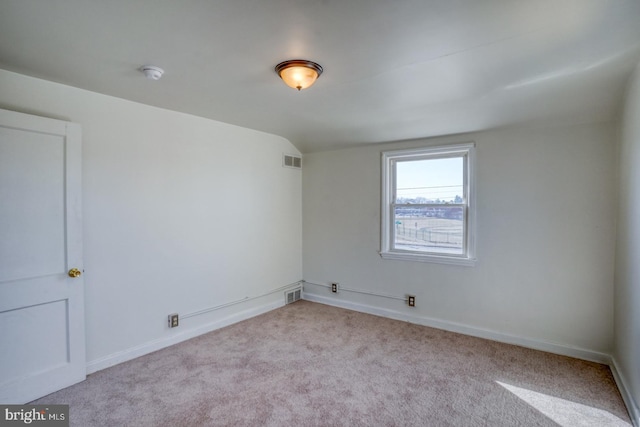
{"x":173,"y":320}
{"x":411,"y":300}
{"x":334,"y":288}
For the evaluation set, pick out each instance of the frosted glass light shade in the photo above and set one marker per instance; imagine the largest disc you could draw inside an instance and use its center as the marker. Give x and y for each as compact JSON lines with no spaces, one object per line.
{"x":298,"y":74}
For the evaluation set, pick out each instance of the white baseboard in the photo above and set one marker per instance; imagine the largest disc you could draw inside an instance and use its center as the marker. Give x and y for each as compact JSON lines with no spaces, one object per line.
{"x":151,"y":346}
{"x":548,"y":347}
{"x":632,"y":407}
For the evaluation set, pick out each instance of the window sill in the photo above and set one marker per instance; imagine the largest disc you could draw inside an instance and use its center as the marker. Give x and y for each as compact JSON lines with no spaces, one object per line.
{"x":406,"y":256}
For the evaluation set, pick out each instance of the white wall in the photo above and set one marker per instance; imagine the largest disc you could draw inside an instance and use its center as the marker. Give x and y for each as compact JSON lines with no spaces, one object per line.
{"x":180,"y":214}
{"x":627,"y":272}
{"x":545,"y":240}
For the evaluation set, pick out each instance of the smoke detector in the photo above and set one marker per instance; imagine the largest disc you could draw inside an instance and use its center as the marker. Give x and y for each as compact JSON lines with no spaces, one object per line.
{"x":152,"y":72}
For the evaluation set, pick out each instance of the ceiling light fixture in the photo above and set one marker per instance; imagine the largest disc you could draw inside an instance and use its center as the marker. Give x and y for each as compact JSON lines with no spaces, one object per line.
{"x":298,"y":73}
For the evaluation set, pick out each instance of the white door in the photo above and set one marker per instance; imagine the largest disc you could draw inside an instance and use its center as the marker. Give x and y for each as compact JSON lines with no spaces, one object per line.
{"x":42,"y":346}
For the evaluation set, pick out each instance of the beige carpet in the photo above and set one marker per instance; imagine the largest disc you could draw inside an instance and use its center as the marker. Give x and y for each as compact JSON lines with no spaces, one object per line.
{"x":309,"y":364}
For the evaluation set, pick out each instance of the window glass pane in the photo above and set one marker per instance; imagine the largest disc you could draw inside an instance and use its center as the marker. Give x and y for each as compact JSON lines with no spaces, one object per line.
{"x":430,"y":181}
{"x":437,"y":230}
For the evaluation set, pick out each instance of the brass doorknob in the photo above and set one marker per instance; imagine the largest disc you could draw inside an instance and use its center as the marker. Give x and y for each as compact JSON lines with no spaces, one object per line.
{"x":74,"y":272}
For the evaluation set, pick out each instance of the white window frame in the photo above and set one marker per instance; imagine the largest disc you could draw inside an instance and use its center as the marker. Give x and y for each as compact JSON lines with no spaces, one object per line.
{"x":388,"y":198}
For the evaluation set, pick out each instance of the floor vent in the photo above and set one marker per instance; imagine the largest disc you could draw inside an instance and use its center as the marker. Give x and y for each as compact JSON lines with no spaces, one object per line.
{"x":292,"y":295}
{"x":290,"y":161}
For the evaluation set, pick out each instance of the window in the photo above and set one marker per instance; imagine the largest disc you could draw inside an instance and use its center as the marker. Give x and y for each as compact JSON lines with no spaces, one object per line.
{"x":428,"y":204}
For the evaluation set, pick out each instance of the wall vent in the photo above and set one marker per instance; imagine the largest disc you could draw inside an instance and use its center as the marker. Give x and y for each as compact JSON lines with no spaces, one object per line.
{"x":293,"y":295}
{"x":290,"y":161}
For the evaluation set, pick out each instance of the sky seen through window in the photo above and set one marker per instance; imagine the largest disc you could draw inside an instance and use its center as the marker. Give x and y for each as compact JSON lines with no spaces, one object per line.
{"x":429,"y":180}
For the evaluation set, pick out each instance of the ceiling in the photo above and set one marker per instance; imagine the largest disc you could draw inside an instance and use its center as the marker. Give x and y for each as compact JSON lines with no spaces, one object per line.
{"x":393,"y":69}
